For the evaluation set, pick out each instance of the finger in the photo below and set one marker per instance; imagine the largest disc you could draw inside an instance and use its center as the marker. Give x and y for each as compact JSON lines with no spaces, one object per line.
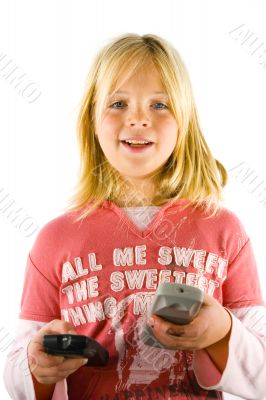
{"x":176,"y":336}
{"x":65,"y":369}
{"x":192,"y":331}
{"x":36,"y":350}
{"x":208,"y":300}
{"x":56,"y":326}
{"x":45,"y":378}
{"x":42,"y":359}
{"x":38,"y":357}
{"x":161,"y":325}
{"x":72,"y":363}
{"x":172,"y":341}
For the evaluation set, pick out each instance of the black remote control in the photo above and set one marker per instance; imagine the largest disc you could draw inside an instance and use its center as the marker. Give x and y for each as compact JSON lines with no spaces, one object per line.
{"x":76,"y":346}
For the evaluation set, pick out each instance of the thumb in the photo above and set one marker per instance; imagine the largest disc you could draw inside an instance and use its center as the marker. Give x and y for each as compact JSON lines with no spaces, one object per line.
{"x":208,"y":300}
{"x":57,"y":326}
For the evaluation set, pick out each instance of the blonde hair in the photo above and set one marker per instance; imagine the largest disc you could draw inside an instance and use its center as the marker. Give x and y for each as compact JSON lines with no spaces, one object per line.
{"x":191,"y":172}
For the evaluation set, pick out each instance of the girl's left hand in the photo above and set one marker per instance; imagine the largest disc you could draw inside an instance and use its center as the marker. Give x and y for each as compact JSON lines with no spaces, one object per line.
{"x":210,"y":326}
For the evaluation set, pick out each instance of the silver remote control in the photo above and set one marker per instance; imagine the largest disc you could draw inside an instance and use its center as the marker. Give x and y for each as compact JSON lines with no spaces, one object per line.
{"x":175,"y":302}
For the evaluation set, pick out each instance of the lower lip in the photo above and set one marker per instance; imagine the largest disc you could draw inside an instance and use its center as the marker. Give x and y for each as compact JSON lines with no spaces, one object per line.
{"x":138,"y":149}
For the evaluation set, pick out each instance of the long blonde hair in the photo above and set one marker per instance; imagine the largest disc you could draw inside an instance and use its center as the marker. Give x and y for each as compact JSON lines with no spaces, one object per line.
{"x":191,"y":172}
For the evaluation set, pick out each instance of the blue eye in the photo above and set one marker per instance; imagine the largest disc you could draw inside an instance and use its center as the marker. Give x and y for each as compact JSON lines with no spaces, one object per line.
{"x":160,"y":108}
{"x":117,"y":102}
{"x":162,"y":105}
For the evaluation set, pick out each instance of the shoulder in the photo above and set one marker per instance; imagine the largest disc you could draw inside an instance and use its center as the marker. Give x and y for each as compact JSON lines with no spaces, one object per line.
{"x":58,"y":224}
{"x":230,"y":228}
{"x":224,"y":227}
{"x":56,"y":232}
{"x":228,"y":219}
{"x":223,"y":219}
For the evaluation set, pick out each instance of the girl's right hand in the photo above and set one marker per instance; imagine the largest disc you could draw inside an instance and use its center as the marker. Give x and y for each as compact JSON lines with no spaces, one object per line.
{"x":46,"y":368}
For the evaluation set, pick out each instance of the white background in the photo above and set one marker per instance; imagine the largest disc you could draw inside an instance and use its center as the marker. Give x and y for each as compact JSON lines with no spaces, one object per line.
{"x":54,"y":42}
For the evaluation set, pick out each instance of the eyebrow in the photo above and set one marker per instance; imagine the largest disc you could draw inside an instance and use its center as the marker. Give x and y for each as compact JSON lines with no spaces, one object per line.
{"x":123,"y":92}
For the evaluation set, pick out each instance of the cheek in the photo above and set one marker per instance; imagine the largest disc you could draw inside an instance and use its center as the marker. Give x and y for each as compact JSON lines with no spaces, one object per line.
{"x":170,"y":123}
{"x":169,"y":130}
{"x":109,"y":126}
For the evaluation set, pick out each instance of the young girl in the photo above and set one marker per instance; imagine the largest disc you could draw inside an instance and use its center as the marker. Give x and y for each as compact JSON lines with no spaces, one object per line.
{"x":147,"y":209}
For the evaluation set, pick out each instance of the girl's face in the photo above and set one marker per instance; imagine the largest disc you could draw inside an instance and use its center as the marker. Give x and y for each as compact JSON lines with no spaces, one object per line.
{"x":142,"y":114}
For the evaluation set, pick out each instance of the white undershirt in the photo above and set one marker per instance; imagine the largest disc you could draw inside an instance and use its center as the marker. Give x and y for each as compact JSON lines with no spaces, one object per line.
{"x":141,"y":216}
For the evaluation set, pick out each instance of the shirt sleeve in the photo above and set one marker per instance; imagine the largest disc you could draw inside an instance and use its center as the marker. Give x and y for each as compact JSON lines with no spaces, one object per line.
{"x":40,"y":296}
{"x":241,"y":287}
{"x":245,"y":371}
{"x":17,"y":375}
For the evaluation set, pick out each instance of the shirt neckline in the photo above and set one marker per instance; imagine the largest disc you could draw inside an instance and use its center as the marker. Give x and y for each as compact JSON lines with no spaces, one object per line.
{"x":153,"y":223}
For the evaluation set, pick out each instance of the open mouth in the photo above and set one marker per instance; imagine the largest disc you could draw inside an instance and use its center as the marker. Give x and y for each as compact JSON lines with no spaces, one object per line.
{"x":136,"y":144}
{"x":136,"y":148}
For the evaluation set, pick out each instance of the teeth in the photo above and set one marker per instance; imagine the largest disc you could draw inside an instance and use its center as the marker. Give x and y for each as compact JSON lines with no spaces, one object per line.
{"x":136,"y":141}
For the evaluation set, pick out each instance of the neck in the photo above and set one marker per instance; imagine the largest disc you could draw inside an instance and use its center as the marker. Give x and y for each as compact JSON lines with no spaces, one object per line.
{"x":138,"y":194}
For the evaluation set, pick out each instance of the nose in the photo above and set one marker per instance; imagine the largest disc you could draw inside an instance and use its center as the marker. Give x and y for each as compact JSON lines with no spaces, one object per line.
{"x":138,"y":118}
